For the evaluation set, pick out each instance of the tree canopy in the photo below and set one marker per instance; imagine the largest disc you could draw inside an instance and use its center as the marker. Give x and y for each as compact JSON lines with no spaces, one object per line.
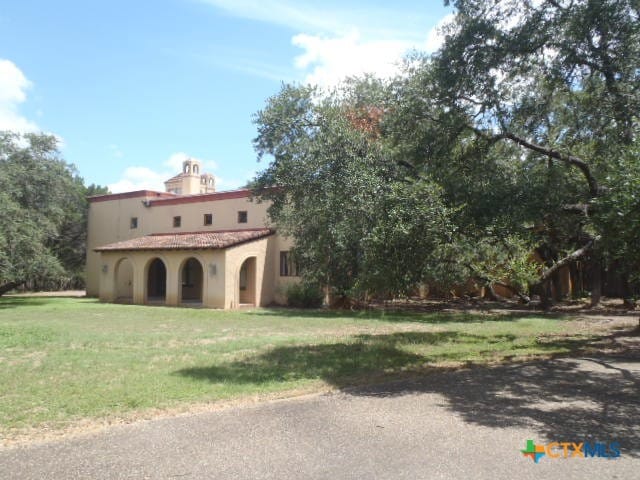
{"x":42,"y":214}
{"x":519,"y":135}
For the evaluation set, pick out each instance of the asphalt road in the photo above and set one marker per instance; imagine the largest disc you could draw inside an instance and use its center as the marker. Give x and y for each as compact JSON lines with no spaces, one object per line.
{"x":462,"y":424}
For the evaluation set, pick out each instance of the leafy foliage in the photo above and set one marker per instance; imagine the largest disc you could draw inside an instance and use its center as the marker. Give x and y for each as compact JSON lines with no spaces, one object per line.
{"x":42,"y":214}
{"x":304,"y":295}
{"x":618,"y":214}
{"x":519,"y":135}
{"x":359,"y":225}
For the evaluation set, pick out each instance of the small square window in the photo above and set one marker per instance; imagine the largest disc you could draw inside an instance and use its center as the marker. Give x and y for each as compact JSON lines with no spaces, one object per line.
{"x":208,"y":219}
{"x":134,"y":223}
{"x":242,"y":216}
{"x":177,"y":221}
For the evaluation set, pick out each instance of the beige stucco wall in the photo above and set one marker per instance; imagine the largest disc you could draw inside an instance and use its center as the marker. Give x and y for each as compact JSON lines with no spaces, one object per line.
{"x":213,"y":278}
{"x":109,"y":222}
{"x":234,"y":258}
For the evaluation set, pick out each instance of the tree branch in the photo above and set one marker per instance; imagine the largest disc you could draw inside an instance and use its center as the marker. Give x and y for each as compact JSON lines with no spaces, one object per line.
{"x":577,"y":162}
{"x":582,"y":208}
{"x":557,"y":5}
{"x":572,"y":257}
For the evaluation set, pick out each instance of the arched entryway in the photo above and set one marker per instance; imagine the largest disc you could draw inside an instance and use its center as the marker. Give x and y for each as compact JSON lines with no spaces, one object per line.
{"x":191,"y":276}
{"x":156,"y":281}
{"x":124,"y":281}
{"x":247,"y":282}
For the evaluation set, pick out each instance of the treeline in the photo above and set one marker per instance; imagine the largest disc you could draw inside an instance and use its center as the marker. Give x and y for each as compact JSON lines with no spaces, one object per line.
{"x":509,"y":154}
{"x":43,"y":215}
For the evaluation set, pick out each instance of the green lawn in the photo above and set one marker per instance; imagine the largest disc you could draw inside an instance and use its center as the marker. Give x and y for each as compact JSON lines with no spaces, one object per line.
{"x":65,"y":360}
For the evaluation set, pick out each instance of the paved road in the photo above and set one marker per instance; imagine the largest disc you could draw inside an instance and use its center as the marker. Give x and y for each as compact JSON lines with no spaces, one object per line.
{"x":464,"y":424}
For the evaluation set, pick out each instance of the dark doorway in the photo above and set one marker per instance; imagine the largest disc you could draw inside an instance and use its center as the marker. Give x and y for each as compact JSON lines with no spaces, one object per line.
{"x":157,"y":281}
{"x":191,"y":281}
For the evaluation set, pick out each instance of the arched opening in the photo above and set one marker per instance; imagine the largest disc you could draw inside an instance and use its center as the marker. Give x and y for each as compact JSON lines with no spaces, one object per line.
{"x":124,"y":281}
{"x":247,"y":282}
{"x":196,"y":169}
{"x":191,"y":276}
{"x":156,"y":282}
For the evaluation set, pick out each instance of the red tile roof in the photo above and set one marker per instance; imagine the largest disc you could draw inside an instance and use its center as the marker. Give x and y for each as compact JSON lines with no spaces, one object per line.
{"x":175,"y":177}
{"x":188,"y":240}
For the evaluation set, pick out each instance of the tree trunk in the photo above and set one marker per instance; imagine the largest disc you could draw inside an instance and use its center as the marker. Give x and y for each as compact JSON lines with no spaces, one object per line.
{"x":6,"y":287}
{"x":572,"y":257}
{"x":625,"y":292}
{"x":546,"y":301}
{"x":596,"y":283}
{"x":556,"y":287}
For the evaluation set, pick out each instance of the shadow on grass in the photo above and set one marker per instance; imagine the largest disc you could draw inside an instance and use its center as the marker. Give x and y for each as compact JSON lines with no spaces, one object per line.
{"x":14,"y":302}
{"x":399,"y":316}
{"x":561,"y":399}
{"x":369,"y":356}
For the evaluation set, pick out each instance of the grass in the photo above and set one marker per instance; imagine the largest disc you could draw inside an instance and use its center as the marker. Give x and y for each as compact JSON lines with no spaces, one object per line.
{"x":63,"y":361}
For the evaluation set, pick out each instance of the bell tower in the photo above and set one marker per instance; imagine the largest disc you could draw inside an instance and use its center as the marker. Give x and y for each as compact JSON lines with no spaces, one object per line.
{"x":191,"y":180}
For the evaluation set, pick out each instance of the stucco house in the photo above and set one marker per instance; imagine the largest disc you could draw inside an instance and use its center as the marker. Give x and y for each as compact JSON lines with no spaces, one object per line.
{"x":189,"y":245}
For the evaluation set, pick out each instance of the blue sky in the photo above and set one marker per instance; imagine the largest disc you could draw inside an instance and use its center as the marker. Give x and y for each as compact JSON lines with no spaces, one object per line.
{"x":131,"y":88}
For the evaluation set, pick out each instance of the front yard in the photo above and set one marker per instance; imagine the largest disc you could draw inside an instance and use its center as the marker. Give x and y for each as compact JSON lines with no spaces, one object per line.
{"x":65,"y":363}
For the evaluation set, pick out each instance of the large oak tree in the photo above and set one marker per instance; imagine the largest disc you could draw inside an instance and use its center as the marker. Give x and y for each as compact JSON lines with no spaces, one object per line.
{"x":43,"y":210}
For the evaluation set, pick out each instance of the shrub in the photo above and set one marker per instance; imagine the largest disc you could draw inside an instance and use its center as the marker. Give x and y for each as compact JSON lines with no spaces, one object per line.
{"x":304,"y":295}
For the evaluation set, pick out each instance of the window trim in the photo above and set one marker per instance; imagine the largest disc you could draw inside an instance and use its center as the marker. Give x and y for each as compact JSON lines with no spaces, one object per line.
{"x":288,"y":265}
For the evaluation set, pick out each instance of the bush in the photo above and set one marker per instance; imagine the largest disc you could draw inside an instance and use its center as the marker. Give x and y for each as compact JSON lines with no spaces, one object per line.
{"x":304,"y":295}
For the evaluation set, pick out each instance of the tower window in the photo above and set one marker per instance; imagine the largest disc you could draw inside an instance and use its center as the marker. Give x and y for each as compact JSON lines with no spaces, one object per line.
{"x":242,"y":216}
{"x":177,"y":221}
{"x":208,"y":218}
{"x":133,"y":223}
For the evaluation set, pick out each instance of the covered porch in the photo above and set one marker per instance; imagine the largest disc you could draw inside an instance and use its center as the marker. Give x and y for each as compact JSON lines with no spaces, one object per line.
{"x":202,"y":269}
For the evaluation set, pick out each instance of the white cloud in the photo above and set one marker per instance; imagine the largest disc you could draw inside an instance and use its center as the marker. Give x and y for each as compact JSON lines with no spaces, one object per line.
{"x":435,"y":38}
{"x":175,"y":161}
{"x":13,"y":91}
{"x":306,"y":16}
{"x":140,"y":178}
{"x":276,"y":12}
{"x":341,"y":40}
{"x":327,"y":61}
{"x":144,"y":178}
